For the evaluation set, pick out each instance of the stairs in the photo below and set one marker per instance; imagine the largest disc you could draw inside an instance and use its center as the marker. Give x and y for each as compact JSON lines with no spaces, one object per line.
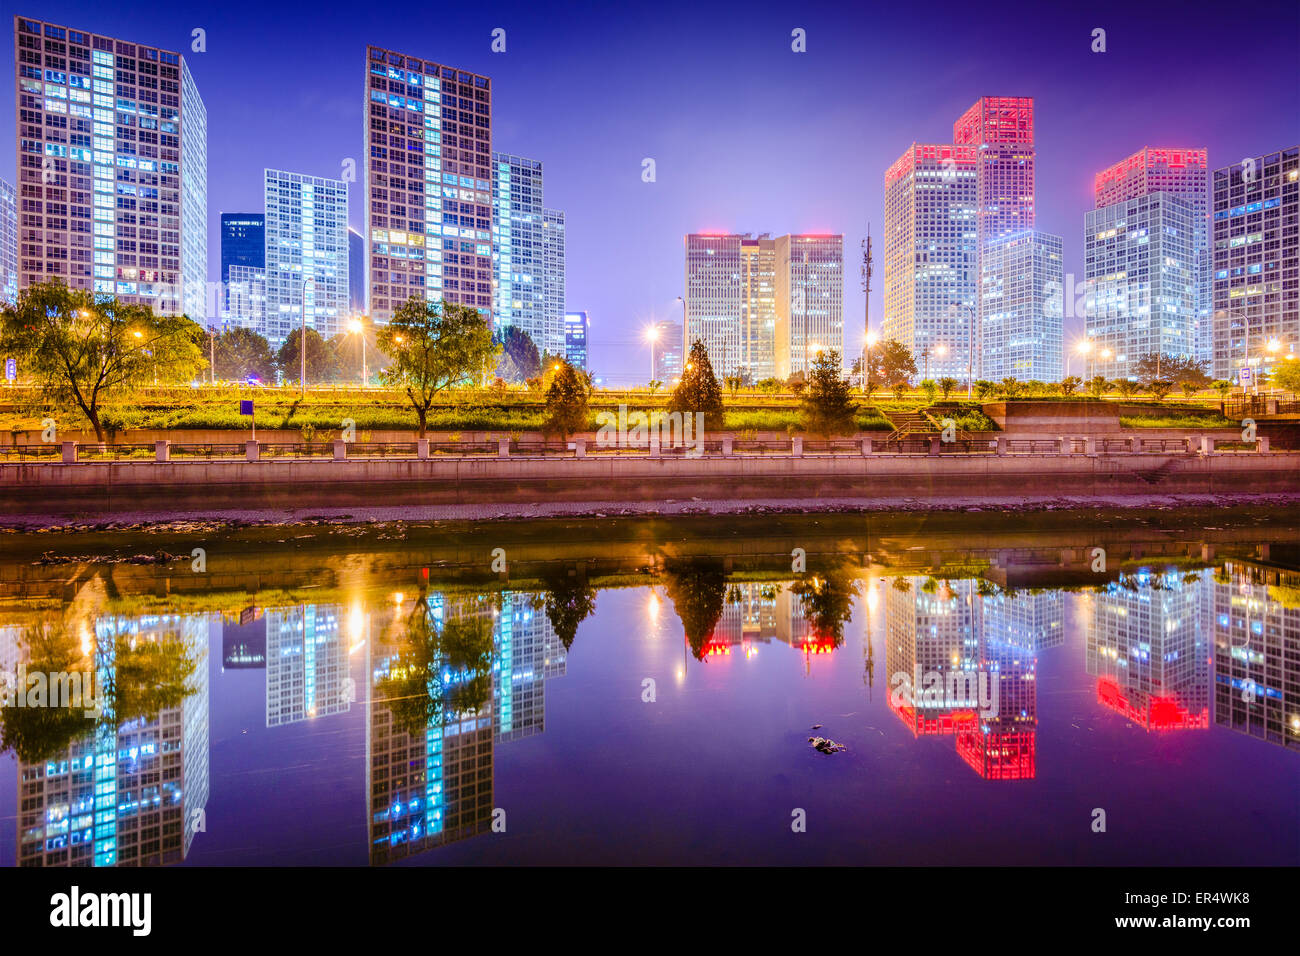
{"x":907,"y":423}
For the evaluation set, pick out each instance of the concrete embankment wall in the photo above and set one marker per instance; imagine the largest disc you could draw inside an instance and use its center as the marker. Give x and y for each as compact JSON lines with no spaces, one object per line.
{"x":206,"y":486}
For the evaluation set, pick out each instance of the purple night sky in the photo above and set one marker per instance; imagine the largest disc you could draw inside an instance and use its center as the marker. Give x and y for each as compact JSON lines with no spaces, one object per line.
{"x":747,"y":135}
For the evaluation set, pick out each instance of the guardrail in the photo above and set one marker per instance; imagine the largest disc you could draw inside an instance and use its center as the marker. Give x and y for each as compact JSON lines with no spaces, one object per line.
{"x":729,"y":447}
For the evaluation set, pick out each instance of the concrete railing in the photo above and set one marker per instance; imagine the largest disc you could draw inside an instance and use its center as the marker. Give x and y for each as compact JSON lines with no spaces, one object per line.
{"x":727,"y":446}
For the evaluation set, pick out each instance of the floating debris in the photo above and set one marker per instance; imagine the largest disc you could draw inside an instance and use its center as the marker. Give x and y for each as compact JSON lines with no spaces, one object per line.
{"x":825,"y":745}
{"x":816,"y":726}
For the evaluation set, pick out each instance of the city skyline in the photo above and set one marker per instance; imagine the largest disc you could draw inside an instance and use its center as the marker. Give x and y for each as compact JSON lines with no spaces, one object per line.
{"x":1090,"y":109}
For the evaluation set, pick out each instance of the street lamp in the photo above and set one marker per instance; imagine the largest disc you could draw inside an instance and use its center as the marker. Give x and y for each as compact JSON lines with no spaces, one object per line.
{"x":356,"y":326}
{"x":1083,"y":347}
{"x":970,"y":341}
{"x":872,"y":339}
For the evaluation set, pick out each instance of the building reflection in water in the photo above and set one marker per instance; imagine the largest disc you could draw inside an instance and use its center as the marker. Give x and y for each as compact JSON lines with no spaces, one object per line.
{"x":1255,"y":616}
{"x":129,"y":793}
{"x":1146,"y":647}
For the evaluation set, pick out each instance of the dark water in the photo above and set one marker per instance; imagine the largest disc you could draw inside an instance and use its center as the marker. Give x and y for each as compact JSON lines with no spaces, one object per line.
{"x":665,"y":718}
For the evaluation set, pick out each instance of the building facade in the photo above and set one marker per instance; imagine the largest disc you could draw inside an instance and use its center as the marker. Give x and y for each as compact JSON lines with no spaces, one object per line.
{"x":1256,"y":277}
{"x":112,"y":168}
{"x":245,"y":299}
{"x":428,"y":184}
{"x":764,"y":307}
{"x":668,"y":352}
{"x":243,"y":241}
{"x":356,"y":272}
{"x":1021,"y":289}
{"x":8,"y":243}
{"x":306,"y":255}
{"x":553,"y":278}
{"x":1140,"y":298}
{"x":931,"y":236}
{"x":575,"y":339}
{"x":519,"y":233}
{"x":1179,"y":171}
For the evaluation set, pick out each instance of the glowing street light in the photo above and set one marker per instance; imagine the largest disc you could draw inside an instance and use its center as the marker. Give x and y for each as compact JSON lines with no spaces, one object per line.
{"x":1083,"y":347}
{"x":356,"y":326}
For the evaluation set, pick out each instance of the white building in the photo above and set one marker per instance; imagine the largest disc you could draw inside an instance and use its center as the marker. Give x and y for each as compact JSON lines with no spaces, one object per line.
{"x":1140,"y":292}
{"x":1021,"y":296}
{"x":306,"y":254}
{"x":553,"y":281}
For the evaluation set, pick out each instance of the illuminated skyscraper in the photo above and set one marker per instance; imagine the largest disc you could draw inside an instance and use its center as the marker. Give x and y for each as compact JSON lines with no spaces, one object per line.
{"x":1140,"y":282}
{"x":553,"y":279}
{"x":1021,"y":290}
{"x":519,"y":238}
{"x":306,"y":254}
{"x":930,"y":256}
{"x":575,"y":339}
{"x":1179,"y":172}
{"x":8,"y":243}
{"x":809,"y":301}
{"x":243,"y":241}
{"x":668,"y":352}
{"x":112,"y":168}
{"x":763,"y":306}
{"x":1256,"y":261}
{"x":428,"y":183}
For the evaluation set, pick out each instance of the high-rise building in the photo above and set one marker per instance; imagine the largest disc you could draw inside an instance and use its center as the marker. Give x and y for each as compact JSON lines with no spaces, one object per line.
{"x":428,"y":182}
{"x":112,"y":168}
{"x":1140,"y":282}
{"x":1021,"y":291}
{"x":668,"y":352}
{"x":1001,"y":131}
{"x":764,"y":307}
{"x":8,"y":243}
{"x":1256,"y":262}
{"x":246,"y":299}
{"x":809,"y":301}
{"x":356,"y":272}
{"x":931,"y":235}
{"x":520,"y":234}
{"x":714,"y":293}
{"x":553,"y":278}
{"x":1179,"y":171}
{"x":758,"y":306}
{"x":243,"y":241}
{"x":306,"y":254}
{"x":575,"y":339}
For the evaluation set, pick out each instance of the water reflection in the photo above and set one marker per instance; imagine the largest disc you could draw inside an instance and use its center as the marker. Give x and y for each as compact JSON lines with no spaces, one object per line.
{"x":450,"y":671}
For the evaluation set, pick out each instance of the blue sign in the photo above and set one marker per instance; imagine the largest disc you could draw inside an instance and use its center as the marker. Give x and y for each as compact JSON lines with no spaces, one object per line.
{"x":11,"y":369}
{"x":246,"y":407}
{"x":1244,"y":375}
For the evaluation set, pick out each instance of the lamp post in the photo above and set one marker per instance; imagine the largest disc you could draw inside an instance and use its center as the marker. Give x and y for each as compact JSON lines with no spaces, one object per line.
{"x":1245,"y":340}
{"x":1083,"y":347}
{"x":872,"y":339}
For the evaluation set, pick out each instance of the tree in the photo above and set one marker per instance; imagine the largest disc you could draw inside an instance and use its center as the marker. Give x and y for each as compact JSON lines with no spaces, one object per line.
{"x":520,"y":359}
{"x":734,"y":383}
{"x":946,"y":385}
{"x":1009,"y":388}
{"x":826,"y":407}
{"x":984,"y":388}
{"x":1287,"y":375}
{"x":896,"y":363}
{"x":654,"y":385}
{"x":698,"y":592}
{"x":1152,"y":367}
{"x":322,"y":363}
{"x":698,"y":391}
{"x":84,"y":349}
{"x":769,"y":386}
{"x":566,"y":402}
{"x":1070,"y":384}
{"x":1160,"y":388}
{"x":434,"y":345}
{"x":1098,"y":386}
{"x":568,"y":602}
{"x":241,"y":352}
{"x":1126,"y":388}
{"x":930,"y":389}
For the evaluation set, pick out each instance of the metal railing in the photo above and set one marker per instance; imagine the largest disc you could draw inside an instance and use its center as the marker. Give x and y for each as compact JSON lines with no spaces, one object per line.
{"x":799,"y":446}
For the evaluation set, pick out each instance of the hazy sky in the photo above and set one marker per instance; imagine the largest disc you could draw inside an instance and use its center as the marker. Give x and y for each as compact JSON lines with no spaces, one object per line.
{"x":747,"y":135}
